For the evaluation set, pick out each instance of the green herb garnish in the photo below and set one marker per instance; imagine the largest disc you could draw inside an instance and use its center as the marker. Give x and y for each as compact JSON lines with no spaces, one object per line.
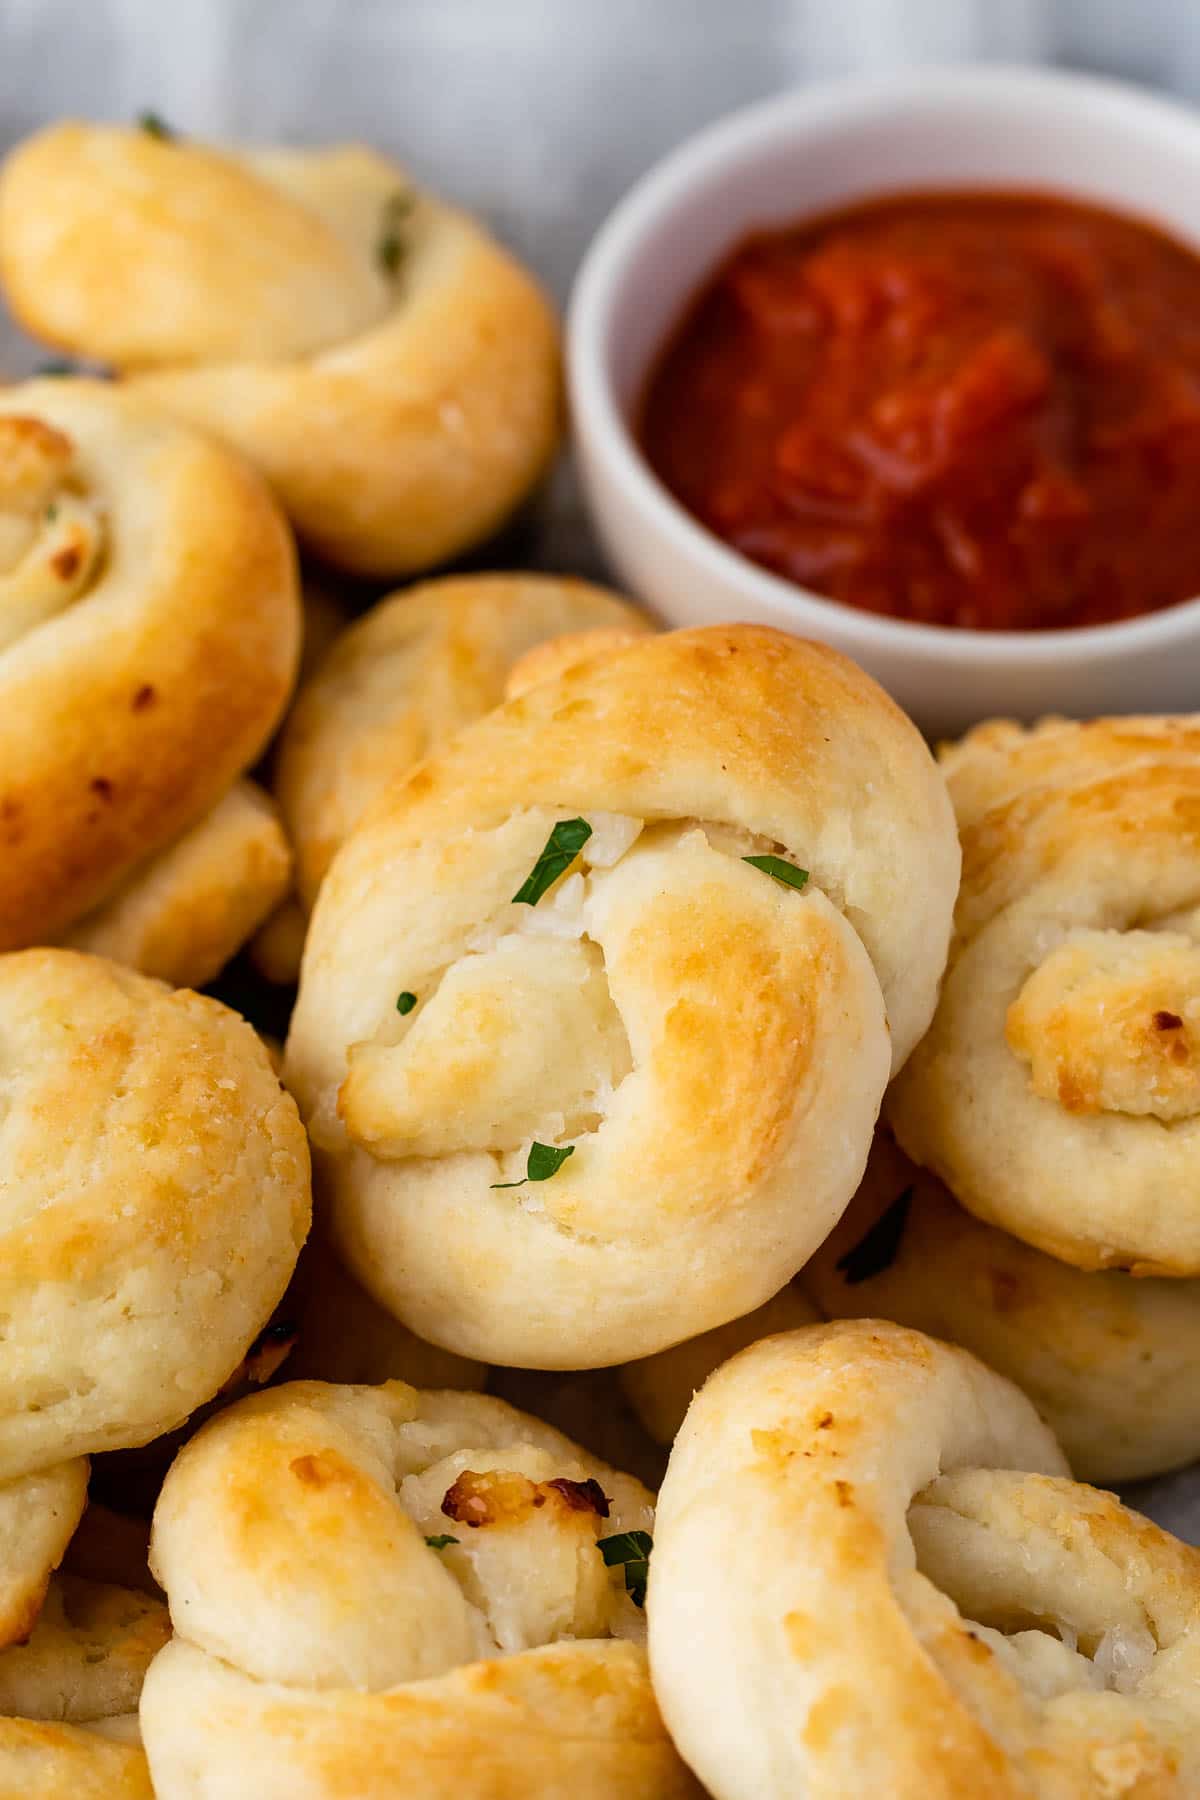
{"x":405,"y":1002}
{"x":390,"y":247}
{"x":562,"y":847}
{"x":877,"y":1250}
{"x":52,"y":512}
{"x":441,"y":1543}
{"x":630,"y":1549}
{"x":544,"y":1160}
{"x":56,"y":367}
{"x":786,"y":873}
{"x":155,"y":126}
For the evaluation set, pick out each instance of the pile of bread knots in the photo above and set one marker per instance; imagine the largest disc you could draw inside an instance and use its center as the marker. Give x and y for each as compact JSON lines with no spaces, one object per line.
{"x":693,"y":1085}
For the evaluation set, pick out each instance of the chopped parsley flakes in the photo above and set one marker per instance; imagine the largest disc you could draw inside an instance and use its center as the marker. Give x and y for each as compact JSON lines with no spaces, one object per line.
{"x":786,"y":873}
{"x":561,"y":848}
{"x":543,"y":1161}
{"x":630,"y":1550}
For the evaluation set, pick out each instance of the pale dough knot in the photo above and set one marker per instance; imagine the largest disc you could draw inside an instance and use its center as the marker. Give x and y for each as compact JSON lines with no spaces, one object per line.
{"x":364,"y":1580}
{"x":1057,"y":1092}
{"x":155,"y":1197}
{"x":391,"y":369}
{"x":149,"y":627}
{"x":1109,"y":1023}
{"x":872,"y":1540}
{"x":591,"y":1041}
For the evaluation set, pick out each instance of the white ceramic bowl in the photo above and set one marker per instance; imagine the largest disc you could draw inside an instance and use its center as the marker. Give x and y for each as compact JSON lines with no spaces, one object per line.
{"x":805,"y":153}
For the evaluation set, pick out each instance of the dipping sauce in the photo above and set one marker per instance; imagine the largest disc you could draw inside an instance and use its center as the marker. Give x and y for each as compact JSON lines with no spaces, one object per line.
{"x":969,"y":409}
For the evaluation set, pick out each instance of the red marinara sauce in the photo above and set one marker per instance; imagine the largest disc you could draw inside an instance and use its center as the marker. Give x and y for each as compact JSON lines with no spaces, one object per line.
{"x":969,"y":409}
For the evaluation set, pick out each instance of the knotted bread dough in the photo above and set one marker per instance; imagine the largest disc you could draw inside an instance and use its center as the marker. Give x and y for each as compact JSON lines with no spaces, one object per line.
{"x":184,"y":913}
{"x":149,"y":629}
{"x":872,"y":1576}
{"x":699,"y":1048}
{"x":386,"y":1592}
{"x":44,"y":1760}
{"x":86,"y":1656}
{"x":154,"y":1194}
{"x":392,"y":371}
{"x":1058,"y":1091}
{"x":69,"y":1695}
{"x":73,"y":1652}
{"x":38,"y":1514}
{"x":398,"y":683}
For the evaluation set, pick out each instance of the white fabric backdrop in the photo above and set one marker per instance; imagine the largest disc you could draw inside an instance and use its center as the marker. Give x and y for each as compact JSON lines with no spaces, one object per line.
{"x":538,"y":112}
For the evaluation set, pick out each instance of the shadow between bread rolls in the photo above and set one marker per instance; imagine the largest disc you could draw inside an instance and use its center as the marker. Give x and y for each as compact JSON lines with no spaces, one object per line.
{"x":1111,"y":1361}
{"x":690,"y":1024}
{"x":149,"y":631}
{"x":392,"y":371}
{"x":342,"y":1335}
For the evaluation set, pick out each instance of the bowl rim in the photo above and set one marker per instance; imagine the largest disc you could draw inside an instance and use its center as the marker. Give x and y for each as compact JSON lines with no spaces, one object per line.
{"x":738,"y":139}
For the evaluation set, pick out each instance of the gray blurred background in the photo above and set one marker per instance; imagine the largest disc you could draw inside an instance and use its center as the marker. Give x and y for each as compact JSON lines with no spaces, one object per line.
{"x":536,"y":112}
